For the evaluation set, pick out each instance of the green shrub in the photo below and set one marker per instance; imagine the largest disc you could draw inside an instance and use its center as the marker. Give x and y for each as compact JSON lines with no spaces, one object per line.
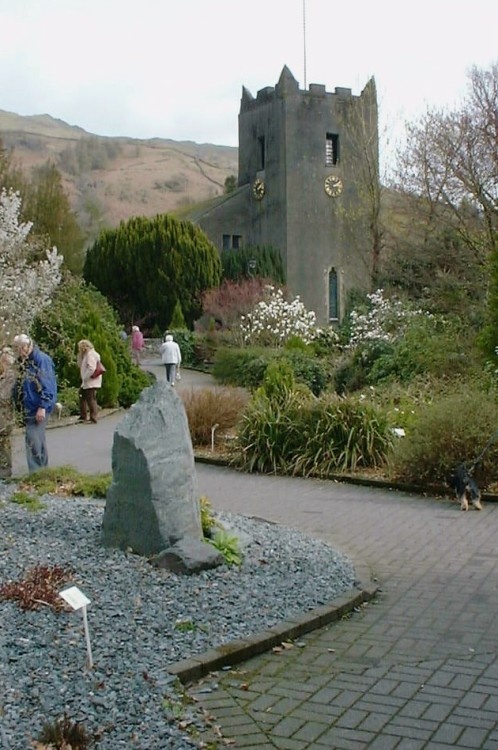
{"x":325,"y":343}
{"x":431,"y":345}
{"x":255,"y":370}
{"x":146,"y":264}
{"x":78,"y":311}
{"x":231,"y":365}
{"x":453,"y":429}
{"x":246,"y":367}
{"x":68,"y":396}
{"x":132,"y":385}
{"x":177,"y":321}
{"x":351,"y":372}
{"x":309,"y":370}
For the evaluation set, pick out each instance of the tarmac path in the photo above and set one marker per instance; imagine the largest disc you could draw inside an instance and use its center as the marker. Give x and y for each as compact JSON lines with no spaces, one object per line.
{"x":415,"y":669}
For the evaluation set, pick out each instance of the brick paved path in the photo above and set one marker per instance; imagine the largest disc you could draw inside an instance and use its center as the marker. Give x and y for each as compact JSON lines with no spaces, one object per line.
{"x":416,"y":668}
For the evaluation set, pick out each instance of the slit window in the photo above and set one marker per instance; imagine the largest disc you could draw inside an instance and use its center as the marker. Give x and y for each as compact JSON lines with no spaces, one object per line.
{"x":261,"y":152}
{"x":333,"y":295}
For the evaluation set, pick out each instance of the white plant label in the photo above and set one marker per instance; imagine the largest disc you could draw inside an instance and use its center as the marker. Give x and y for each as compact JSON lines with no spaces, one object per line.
{"x":74,"y":597}
{"x":77,"y":600}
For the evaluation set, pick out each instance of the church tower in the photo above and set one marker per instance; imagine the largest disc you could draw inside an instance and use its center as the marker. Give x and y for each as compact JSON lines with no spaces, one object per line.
{"x":308,"y":168}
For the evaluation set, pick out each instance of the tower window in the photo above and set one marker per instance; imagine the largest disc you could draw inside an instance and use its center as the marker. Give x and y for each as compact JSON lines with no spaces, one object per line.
{"x":331,"y":149}
{"x":227,"y":239}
{"x":261,"y":154}
{"x":333,"y":295}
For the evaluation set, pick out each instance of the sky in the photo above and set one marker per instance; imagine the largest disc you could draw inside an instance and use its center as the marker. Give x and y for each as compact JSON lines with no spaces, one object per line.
{"x":175,"y":68}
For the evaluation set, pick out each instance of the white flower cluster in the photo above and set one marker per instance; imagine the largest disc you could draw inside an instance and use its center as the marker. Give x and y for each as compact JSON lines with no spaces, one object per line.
{"x":26,"y":286}
{"x":385,"y":321}
{"x":274,"y":320}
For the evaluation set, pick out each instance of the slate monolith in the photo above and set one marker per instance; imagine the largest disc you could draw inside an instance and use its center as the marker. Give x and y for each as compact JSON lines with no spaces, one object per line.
{"x":152,"y":502}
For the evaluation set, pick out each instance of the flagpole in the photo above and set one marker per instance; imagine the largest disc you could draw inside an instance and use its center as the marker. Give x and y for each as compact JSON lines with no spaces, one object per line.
{"x":304,"y":40}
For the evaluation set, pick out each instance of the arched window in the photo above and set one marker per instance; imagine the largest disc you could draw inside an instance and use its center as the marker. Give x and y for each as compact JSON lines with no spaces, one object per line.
{"x":333,"y":295}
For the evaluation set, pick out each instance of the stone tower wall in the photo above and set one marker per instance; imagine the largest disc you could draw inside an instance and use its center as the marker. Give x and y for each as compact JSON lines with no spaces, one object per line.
{"x":314,"y":231}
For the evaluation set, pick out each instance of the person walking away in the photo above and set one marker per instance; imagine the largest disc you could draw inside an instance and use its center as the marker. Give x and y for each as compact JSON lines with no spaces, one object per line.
{"x":88,"y":359}
{"x":171,"y":357}
{"x":35,"y":396}
{"x":137,"y":344}
{"x":7,"y":381}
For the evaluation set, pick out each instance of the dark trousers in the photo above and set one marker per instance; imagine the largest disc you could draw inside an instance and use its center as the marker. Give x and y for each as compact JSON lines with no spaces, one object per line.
{"x":88,"y":404}
{"x":170,"y":372}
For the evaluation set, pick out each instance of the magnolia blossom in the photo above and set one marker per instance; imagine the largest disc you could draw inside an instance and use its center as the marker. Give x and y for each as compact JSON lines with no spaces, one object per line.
{"x":386,"y":320}
{"x":274,"y":320}
{"x":26,"y":286}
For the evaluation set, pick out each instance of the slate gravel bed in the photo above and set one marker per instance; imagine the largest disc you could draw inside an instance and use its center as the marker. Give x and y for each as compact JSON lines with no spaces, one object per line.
{"x":140,"y":621}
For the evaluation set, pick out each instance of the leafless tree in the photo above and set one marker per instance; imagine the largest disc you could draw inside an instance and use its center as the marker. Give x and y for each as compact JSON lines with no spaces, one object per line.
{"x":450,"y":161}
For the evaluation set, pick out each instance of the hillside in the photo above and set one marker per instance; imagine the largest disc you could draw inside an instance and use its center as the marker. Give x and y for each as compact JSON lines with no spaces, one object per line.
{"x":112,"y":179}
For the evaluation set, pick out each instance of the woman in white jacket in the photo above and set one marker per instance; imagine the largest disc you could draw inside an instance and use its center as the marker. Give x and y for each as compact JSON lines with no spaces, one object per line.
{"x":171,"y":357}
{"x":88,"y":360}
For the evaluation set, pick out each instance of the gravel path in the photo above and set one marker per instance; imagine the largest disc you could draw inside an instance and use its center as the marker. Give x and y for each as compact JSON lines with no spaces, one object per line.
{"x":140,"y":620}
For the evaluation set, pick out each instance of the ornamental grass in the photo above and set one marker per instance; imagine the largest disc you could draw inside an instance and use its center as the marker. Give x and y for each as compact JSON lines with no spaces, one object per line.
{"x":306,"y":436}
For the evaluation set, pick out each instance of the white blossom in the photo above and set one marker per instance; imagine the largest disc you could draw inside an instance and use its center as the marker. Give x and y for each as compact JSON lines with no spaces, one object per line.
{"x":26,"y":286}
{"x":274,"y":320}
{"x":386,"y":320}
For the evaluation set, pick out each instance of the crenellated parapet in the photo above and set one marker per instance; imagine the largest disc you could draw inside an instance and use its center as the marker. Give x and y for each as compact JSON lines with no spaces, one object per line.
{"x":288,"y":86}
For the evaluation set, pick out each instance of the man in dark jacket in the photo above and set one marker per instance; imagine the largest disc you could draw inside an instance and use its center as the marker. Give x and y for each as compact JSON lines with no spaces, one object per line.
{"x":35,"y":395}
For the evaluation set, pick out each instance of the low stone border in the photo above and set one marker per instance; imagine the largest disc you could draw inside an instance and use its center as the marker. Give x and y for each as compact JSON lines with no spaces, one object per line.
{"x":382,"y":484}
{"x":235,"y":652}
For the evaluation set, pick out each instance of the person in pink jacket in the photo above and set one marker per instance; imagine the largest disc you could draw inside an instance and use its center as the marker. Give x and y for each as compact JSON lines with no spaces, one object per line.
{"x":137,"y":343}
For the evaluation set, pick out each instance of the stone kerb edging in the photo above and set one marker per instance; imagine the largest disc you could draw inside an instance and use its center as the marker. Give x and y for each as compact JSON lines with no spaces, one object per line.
{"x":228,"y":655}
{"x":436,"y":491}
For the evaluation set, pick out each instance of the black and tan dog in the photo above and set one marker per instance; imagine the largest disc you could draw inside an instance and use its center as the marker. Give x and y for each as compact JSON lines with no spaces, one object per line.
{"x":465,"y":487}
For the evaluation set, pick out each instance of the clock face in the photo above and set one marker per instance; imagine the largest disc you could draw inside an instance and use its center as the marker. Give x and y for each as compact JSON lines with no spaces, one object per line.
{"x":333,"y":185}
{"x":258,"y":189}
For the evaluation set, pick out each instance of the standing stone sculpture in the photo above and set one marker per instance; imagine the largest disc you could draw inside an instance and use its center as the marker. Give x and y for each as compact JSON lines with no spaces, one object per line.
{"x":152,"y":505}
